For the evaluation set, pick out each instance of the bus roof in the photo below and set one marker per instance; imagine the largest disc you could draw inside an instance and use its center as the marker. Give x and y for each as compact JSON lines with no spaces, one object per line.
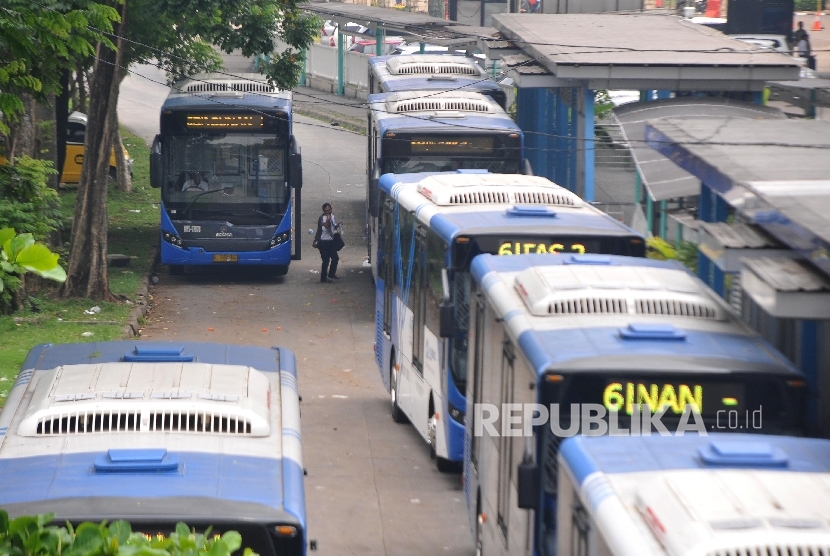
{"x":211,"y":421}
{"x":700,"y":495}
{"x":218,"y":91}
{"x":430,"y":72}
{"x":601,"y":312}
{"x":476,"y":202}
{"x":416,"y":111}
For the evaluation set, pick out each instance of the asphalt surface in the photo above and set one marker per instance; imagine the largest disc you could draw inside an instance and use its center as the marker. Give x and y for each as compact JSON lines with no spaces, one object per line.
{"x":371,"y":486}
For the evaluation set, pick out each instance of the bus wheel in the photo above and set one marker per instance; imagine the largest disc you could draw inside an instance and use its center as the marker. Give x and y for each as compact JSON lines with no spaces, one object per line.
{"x":444,"y":465}
{"x":479,"y":528}
{"x":176,"y":270}
{"x":397,"y":413}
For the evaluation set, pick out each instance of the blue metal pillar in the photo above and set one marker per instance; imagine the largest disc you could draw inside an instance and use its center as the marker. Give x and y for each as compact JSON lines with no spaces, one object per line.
{"x":650,"y":213}
{"x":758,"y":97}
{"x":561,"y":139}
{"x":718,"y":281}
{"x":705,"y":209}
{"x":663,"y":94}
{"x":645,"y":96}
{"x":809,"y":366}
{"x":703,"y":267}
{"x":527,"y":116}
{"x":573,"y":142}
{"x":588,"y":144}
{"x":304,"y":54}
{"x":664,"y":217}
{"x":549,"y":125}
{"x":423,"y":48}
{"x":721,"y":207}
{"x":340,"y":58}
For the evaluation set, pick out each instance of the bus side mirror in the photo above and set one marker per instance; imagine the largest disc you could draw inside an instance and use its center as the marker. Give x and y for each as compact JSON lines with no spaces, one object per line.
{"x":156,"y":168}
{"x":446,"y":320}
{"x":295,"y":165}
{"x":527,"y":485}
{"x":527,"y":169}
{"x":374,"y":194}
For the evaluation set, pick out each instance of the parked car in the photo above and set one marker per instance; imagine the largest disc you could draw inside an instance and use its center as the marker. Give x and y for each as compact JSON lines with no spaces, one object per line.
{"x":777,"y":43}
{"x":368,"y":46}
{"x":73,"y":163}
{"x":75,"y":135}
{"x":329,"y":32}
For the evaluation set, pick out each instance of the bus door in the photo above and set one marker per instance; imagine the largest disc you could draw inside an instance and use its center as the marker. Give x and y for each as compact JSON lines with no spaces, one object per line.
{"x":414,"y":278}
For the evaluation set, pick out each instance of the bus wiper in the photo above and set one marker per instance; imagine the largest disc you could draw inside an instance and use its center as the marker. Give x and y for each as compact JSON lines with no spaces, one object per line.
{"x":225,"y":190}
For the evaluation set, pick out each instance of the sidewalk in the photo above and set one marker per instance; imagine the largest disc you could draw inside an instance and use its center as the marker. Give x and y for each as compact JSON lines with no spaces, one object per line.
{"x":345,"y":112}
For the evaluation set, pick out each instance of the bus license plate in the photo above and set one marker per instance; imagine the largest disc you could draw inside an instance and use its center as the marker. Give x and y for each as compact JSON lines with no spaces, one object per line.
{"x":226,"y":258}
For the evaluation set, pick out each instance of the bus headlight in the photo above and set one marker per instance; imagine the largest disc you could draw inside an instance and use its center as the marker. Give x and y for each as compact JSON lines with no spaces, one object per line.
{"x":456,"y":414}
{"x":279,"y":239}
{"x":172,"y":239}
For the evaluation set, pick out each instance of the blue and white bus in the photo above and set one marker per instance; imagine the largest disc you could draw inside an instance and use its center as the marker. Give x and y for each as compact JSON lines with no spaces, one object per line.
{"x":621,"y":338}
{"x":431,"y":228}
{"x":427,"y":131}
{"x":157,"y":433}
{"x":722,"y":494}
{"x":431,"y":72}
{"x":230,"y":174}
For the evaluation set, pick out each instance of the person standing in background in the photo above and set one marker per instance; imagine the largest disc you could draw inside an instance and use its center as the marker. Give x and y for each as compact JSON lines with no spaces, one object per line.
{"x":324,"y":241}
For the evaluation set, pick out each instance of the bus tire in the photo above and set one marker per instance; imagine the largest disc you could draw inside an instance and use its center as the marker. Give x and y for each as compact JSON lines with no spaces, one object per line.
{"x":444,"y":465}
{"x":176,"y":270}
{"x":397,"y":414}
{"x":479,"y":528}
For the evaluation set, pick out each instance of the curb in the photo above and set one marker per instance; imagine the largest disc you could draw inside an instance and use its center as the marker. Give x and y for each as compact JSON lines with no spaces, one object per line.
{"x":142,"y":302}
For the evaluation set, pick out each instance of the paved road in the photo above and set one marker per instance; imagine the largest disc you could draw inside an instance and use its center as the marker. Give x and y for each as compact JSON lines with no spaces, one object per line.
{"x":371,"y":486}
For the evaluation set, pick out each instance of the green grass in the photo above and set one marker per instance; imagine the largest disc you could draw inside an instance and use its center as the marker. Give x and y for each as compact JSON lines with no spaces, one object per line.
{"x":134,"y":234}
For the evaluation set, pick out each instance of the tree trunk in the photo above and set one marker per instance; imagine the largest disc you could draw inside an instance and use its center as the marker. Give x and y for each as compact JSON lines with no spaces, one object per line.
{"x":23,"y":141}
{"x":87,"y":273}
{"x":61,"y":119}
{"x":46,"y":143}
{"x":82,"y":78}
{"x":124,"y":180}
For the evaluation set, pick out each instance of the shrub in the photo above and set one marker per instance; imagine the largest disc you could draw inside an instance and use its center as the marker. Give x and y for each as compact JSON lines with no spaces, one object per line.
{"x":27,"y":203}
{"x":33,"y":536}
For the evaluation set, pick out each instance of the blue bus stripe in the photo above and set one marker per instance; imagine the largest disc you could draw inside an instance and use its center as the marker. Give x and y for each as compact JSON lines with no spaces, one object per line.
{"x":225,"y":476}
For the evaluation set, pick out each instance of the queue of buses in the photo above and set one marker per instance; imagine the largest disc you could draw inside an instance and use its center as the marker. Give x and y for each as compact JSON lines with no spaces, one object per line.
{"x":598,"y":402}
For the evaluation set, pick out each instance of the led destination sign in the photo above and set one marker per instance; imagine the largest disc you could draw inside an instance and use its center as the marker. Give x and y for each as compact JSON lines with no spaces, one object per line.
{"x":703,"y":398}
{"x":452,"y":145}
{"x":541,"y":247}
{"x":224,"y":121}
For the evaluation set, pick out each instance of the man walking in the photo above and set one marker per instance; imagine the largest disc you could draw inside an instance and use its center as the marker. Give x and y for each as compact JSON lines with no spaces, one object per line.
{"x":324,"y":241}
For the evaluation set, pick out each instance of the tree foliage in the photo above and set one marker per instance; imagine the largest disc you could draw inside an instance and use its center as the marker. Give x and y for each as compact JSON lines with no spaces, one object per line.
{"x":33,"y":536}
{"x":20,"y":254}
{"x":180,"y":34}
{"x":27,"y":203}
{"x":38,"y":40}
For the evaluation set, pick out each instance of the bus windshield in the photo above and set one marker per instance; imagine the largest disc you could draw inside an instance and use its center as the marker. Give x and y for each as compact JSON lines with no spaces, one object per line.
{"x":445,"y":153}
{"x":243,"y":175}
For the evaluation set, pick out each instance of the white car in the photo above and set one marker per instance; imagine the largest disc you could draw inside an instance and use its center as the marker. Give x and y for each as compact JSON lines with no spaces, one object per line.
{"x":777,"y":43}
{"x":329,"y":32}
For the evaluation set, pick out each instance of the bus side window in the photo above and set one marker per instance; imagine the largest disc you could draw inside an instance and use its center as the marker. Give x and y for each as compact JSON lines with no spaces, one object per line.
{"x":386,"y":264}
{"x":478,"y":363}
{"x":436,"y":253}
{"x":505,"y":442}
